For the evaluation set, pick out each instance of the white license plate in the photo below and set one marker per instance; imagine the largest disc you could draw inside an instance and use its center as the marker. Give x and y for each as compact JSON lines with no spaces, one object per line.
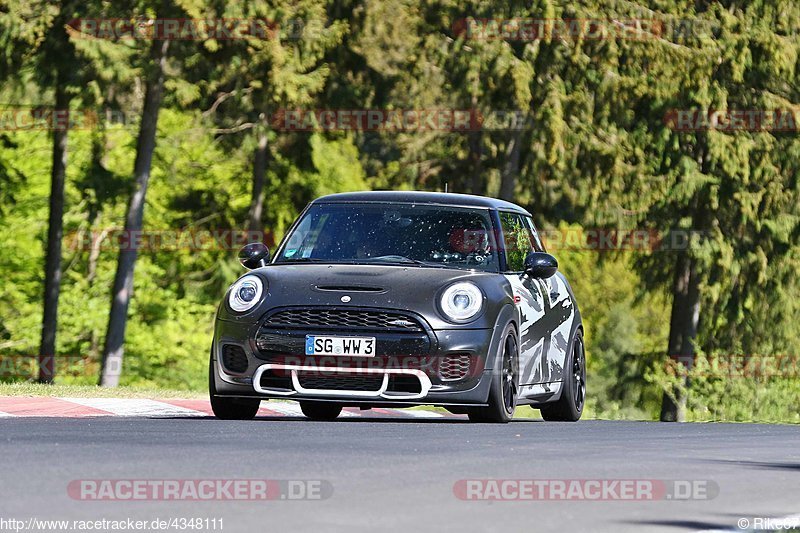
{"x":360,"y":346}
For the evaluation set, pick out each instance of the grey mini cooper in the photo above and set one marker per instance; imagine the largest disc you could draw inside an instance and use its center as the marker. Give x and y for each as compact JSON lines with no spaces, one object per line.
{"x":377,"y":299}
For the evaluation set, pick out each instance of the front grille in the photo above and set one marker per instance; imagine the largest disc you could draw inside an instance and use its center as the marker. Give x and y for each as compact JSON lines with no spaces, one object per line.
{"x":343,"y":319}
{"x":355,"y":382}
{"x":454,"y":367}
{"x":233,"y":358}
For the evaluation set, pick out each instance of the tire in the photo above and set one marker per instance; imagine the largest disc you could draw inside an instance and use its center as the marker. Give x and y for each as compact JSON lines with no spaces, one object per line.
{"x":569,"y":406}
{"x":230,"y":408}
{"x":320,"y":410}
{"x":505,"y":384}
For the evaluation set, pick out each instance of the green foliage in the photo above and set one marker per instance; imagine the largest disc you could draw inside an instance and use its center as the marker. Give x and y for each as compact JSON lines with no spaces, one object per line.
{"x":337,"y":166}
{"x":734,"y":387}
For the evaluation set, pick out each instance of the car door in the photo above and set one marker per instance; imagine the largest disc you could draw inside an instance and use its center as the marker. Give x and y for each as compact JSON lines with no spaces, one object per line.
{"x":554,"y":330}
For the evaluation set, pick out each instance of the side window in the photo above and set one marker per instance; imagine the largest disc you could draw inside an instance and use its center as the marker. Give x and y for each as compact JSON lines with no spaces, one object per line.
{"x":517,"y":238}
{"x":538,"y":245}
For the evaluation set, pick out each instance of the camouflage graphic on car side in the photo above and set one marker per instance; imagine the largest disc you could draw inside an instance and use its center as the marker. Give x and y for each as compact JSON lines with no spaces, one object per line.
{"x":546,"y":313}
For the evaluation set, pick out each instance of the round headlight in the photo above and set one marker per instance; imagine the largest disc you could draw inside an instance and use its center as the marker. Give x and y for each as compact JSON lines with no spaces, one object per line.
{"x":245,"y":293}
{"x":461,"y":301}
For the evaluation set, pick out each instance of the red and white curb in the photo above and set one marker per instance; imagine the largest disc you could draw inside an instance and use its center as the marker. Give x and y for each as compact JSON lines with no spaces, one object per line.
{"x":23,"y":406}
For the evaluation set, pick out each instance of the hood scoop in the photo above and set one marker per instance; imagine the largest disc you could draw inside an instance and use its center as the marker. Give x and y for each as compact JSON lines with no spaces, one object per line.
{"x":349,"y":288}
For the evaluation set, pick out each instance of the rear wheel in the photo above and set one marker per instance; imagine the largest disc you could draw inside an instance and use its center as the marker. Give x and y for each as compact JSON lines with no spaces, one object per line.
{"x":320,"y":410}
{"x":505,"y":384}
{"x":230,"y":408}
{"x":569,"y":407}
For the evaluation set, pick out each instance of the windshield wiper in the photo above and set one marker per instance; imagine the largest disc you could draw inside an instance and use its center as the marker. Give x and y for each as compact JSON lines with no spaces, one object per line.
{"x":302,"y":260}
{"x":393,"y":259}
{"x":387,"y":259}
{"x":401,"y":259}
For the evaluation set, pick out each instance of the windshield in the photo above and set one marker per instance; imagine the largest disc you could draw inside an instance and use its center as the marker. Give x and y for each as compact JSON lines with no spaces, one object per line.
{"x":411,"y":234}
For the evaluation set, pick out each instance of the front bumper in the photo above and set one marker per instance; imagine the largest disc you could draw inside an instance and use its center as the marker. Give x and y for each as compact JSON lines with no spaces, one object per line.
{"x":411,"y":375}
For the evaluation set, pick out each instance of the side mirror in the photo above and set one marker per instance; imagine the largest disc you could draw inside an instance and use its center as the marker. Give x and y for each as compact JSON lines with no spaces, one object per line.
{"x":540,"y":265}
{"x":254,"y":255}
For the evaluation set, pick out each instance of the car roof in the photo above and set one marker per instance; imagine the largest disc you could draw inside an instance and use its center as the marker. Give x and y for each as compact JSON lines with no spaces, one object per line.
{"x":420,"y":197}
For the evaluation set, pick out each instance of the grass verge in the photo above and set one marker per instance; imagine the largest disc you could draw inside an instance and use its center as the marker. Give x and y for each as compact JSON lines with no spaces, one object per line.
{"x":86,"y":391}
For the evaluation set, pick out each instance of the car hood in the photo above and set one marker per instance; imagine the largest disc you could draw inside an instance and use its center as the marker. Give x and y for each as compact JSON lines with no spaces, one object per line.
{"x":410,"y":288}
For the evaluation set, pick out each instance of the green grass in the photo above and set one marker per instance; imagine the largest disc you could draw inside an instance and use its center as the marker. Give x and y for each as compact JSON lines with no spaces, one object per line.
{"x":86,"y":391}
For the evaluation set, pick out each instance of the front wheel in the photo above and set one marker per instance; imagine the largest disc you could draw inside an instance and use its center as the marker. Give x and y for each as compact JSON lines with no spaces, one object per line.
{"x":505,"y":384}
{"x":569,"y":407}
{"x":320,"y":410}
{"x":230,"y":408}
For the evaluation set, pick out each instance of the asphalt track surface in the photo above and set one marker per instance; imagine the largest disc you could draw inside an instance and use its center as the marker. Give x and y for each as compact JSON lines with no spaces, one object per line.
{"x":400,"y":474}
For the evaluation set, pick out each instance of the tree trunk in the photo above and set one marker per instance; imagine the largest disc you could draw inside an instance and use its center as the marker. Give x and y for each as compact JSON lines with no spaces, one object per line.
{"x":508,"y":178}
{"x":55,"y":230}
{"x":123,"y":280}
{"x":259,"y":176}
{"x":684,"y":321}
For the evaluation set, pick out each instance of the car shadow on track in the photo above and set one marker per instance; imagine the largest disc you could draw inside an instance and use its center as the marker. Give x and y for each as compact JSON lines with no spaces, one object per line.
{"x":695,"y":525}
{"x":763,"y":465}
